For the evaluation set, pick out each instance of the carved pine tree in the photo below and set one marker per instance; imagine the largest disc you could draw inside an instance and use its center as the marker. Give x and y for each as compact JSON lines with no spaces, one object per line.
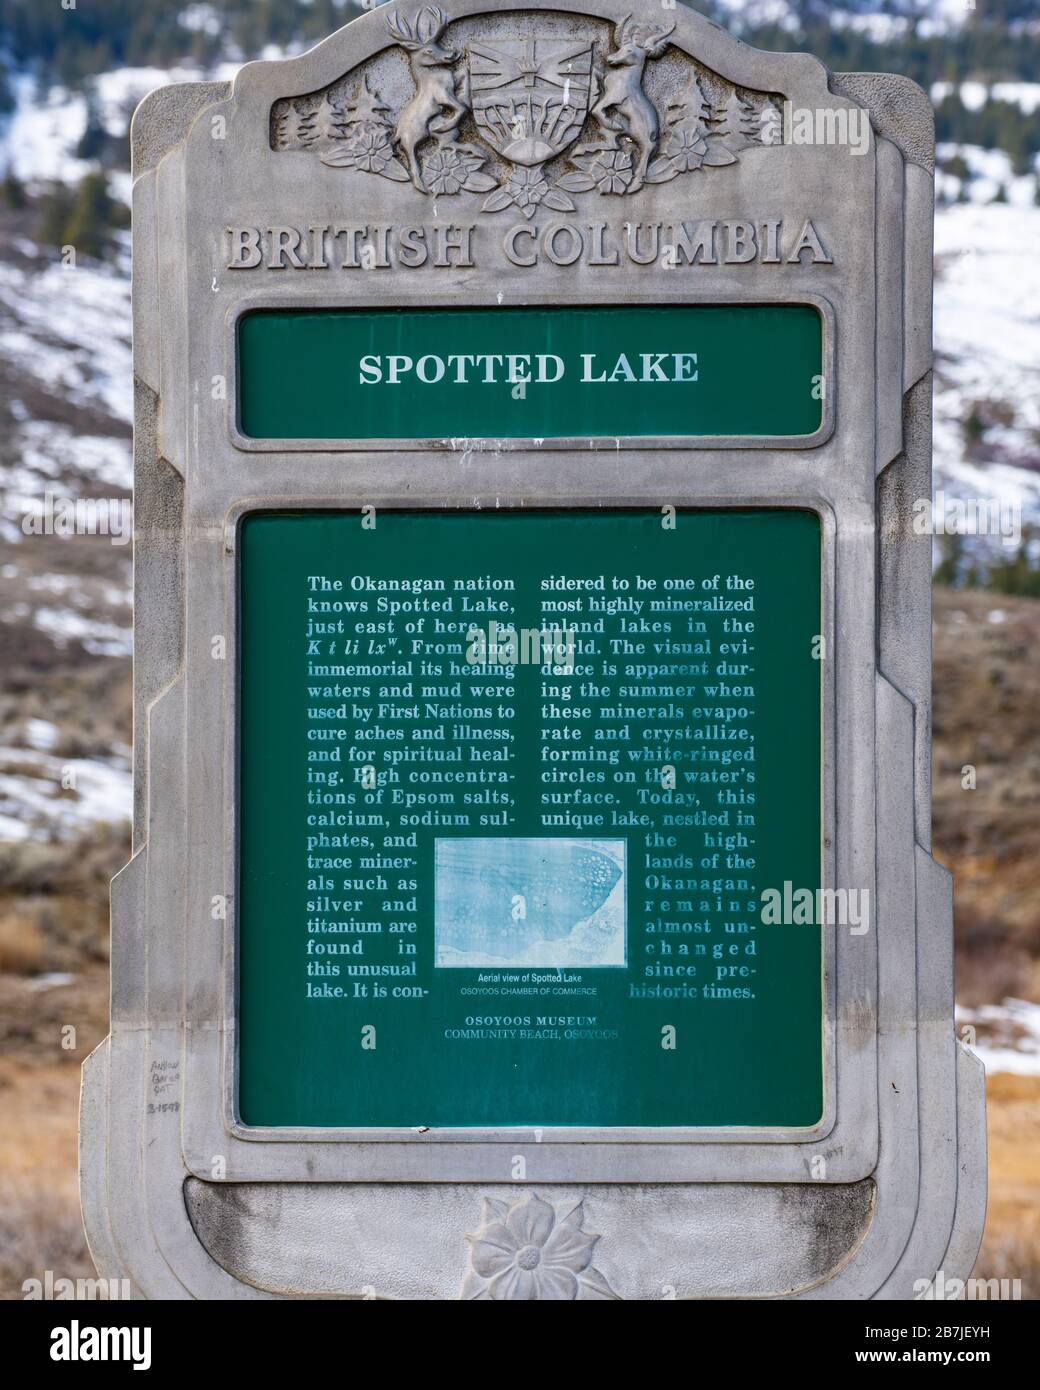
{"x":328,"y":121}
{"x":366,"y":108}
{"x":752,"y":126}
{"x":689,"y":107}
{"x":292,"y":129}
{"x":307,"y":129}
{"x":736,"y":121}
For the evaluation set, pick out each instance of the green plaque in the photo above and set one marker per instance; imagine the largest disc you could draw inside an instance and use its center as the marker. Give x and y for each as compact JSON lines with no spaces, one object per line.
{"x":685,"y":370}
{"x":489,"y":883}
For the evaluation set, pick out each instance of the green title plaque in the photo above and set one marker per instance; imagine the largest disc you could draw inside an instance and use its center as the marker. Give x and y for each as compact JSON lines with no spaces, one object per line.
{"x":483,"y":890}
{"x":565,"y":372}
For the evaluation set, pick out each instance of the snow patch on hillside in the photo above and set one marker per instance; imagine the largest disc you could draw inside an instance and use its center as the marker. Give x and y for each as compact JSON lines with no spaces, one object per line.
{"x":747,"y":14}
{"x":989,"y":173}
{"x":43,"y":797}
{"x":987,"y":336}
{"x":51,"y":451}
{"x":1007,"y":1035}
{"x":65,"y":625}
{"x":880,"y":20}
{"x":975,"y":95}
{"x":70,"y":328}
{"x":39,"y":138}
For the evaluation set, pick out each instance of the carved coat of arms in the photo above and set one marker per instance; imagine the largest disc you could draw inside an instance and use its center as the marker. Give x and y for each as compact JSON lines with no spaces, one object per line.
{"x":530,"y":97}
{"x":529,"y":121}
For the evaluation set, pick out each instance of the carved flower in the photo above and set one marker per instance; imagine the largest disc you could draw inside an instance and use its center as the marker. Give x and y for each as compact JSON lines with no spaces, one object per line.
{"x":686,"y":149}
{"x":532,"y":1251}
{"x":527,"y":188}
{"x":371,"y":149}
{"x":446,"y":172}
{"x":612,"y":171}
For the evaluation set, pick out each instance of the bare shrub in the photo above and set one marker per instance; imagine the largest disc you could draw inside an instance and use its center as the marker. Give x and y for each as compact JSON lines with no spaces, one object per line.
{"x":40,"y":1229}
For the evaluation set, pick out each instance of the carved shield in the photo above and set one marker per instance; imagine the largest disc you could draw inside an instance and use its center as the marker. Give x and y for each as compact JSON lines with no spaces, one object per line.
{"x":530,"y":97}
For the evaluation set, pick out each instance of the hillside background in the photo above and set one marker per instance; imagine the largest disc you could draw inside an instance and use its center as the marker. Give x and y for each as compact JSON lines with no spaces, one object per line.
{"x":69,"y":80}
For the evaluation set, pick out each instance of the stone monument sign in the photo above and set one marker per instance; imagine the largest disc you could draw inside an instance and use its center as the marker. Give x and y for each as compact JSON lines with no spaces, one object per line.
{"x":532,"y":894}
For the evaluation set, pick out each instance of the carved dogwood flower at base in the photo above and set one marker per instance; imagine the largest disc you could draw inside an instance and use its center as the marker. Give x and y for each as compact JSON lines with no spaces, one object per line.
{"x":445,"y":172}
{"x":371,"y":150}
{"x":528,"y":188}
{"x":613,"y":171}
{"x":533,"y":1250}
{"x":686,"y":149}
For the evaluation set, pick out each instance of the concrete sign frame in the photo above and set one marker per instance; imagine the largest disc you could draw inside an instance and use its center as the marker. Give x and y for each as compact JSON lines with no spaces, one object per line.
{"x":178,"y":1195}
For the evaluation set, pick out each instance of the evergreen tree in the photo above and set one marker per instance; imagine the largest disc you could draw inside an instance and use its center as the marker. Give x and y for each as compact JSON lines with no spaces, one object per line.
{"x":93,"y":141}
{"x":957,"y":166}
{"x":55,"y":208}
{"x":1018,"y":575}
{"x":14,"y":191}
{"x":949,"y":569}
{"x":92,"y":219}
{"x":6,"y":95}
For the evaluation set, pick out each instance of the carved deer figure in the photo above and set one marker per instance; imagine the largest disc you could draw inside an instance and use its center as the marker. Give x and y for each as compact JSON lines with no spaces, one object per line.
{"x":436,"y":108}
{"x":634,"y":114}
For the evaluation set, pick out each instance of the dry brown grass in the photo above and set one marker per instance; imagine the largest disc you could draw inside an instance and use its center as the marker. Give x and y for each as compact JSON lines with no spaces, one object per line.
{"x":1011,"y":1248}
{"x":54,"y":900}
{"x":40,"y":1224}
{"x":1013,"y":1260}
{"x":40,"y":1230}
{"x":23,"y":949}
{"x":987,"y":716}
